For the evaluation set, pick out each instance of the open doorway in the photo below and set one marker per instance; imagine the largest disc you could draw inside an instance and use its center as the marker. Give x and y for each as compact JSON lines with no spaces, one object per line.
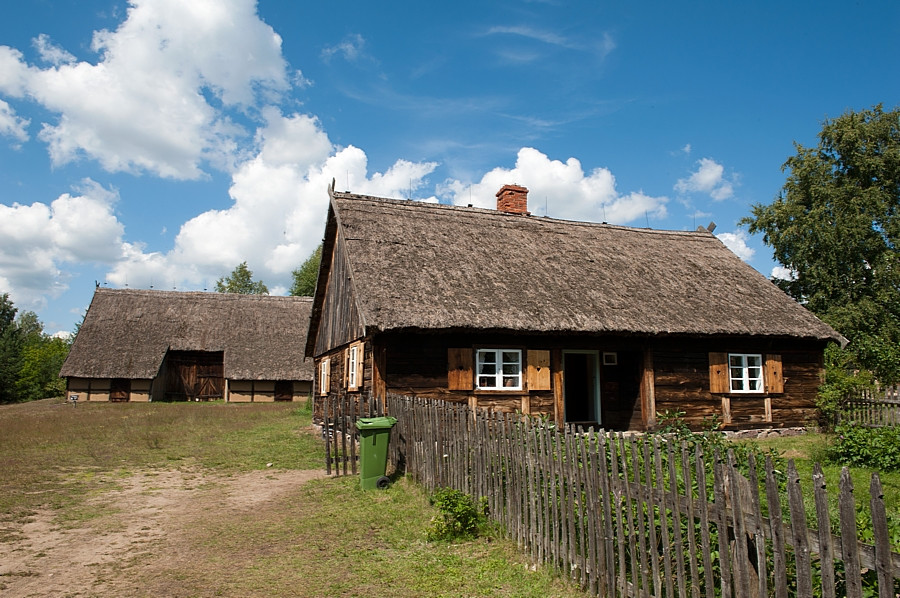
{"x":581,"y":387}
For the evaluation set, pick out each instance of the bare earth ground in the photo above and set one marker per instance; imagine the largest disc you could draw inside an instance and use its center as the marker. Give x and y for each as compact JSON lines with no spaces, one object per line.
{"x":140,"y":528}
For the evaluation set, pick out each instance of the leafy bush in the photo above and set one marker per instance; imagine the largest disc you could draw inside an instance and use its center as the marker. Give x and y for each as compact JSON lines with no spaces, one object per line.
{"x":459,"y":517}
{"x":858,"y":446}
{"x":843,"y":379}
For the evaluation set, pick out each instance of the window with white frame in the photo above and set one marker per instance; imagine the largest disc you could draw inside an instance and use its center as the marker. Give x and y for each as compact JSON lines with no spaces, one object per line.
{"x":352,"y":366}
{"x":745,"y":371}
{"x":325,"y":376}
{"x":498,"y":369}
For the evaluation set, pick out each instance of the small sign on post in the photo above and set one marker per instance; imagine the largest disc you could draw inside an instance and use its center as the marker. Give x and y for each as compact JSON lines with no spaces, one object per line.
{"x":74,"y":399}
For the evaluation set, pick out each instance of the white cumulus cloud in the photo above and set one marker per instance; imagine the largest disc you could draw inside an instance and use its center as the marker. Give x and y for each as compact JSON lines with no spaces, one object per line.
{"x":143,"y":106}
{"x":737,"y":243}
{"x":12,"y":125}
{"x":37,"y":240}
{"x":709,"y":178}
{"x":561,"y":190}
{"x":277,"y":218}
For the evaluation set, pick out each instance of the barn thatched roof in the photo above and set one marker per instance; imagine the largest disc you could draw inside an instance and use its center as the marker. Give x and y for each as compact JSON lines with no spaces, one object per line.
{"x":126,"y":333}
{"x":425,"y":266}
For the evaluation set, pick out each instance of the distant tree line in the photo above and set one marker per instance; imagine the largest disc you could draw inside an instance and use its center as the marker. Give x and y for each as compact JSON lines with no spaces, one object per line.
{"x":30,"y":359}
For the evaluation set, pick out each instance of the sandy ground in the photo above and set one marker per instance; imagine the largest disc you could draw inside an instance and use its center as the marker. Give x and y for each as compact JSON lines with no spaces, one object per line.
{"x":144,"y":516}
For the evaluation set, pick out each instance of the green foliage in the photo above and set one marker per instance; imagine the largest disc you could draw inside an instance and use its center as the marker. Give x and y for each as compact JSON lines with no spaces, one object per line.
{"x":836,"y":226}
{"x":842,"y":381}
{"x":11,"y":344}
{"x":459,"y":517}
{"x":41,"y":361}
{"x":306,"y":275}
{"x":241,"y":281}
{"x":856,"y":445}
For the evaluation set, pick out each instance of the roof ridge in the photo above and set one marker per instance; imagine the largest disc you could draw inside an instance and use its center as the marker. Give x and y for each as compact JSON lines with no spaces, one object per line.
{"x":492,"y":213}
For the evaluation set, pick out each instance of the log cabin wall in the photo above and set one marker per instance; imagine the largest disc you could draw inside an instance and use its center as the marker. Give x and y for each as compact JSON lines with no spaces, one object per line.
{"x":679,"y":373}
{"x":682,"y":382}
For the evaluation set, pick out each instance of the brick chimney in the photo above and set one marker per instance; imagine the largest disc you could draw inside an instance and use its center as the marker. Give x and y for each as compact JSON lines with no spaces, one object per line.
{"x":512,"y":199}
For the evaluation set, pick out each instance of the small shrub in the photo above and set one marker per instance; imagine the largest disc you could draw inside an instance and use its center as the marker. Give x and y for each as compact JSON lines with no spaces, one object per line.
{"x":459,"y":517}
{"x":858,"y":446}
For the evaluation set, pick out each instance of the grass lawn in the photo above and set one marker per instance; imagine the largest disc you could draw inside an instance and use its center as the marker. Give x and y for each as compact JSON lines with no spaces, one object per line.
{"x":323,"y":538}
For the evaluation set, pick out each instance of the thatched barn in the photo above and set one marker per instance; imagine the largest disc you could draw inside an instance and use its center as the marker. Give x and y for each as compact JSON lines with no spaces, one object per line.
{"x":576,"y":321}
{"x":142,"y":345}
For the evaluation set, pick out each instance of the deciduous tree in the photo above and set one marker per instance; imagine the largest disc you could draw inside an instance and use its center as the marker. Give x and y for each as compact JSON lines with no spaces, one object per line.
{"x":306,"y":275}
{"x":241,"y":281}
{"x":836,"y":226}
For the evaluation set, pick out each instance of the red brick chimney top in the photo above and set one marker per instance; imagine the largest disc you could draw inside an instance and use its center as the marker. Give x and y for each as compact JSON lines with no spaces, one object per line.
{"x":512,"y":199}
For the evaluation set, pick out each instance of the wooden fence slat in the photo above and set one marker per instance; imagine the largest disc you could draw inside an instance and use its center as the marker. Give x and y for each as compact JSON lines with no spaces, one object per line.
{"x":691,"y":518}
{"x":849,"y":548}
{"x":660,"y":491}
{"x":826,"y":551}
{"x":676,"y":519}
{"x":759,"y":537}
{"x":720,"y":509}
{"x":882,"y":542}
{"x":705,"y":539}
{"x":776,"y":523}
{"x":641,"y":519}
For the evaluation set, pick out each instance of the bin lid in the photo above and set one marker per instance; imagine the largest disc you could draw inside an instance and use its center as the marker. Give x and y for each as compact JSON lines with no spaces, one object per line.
{"x":375,"y":423}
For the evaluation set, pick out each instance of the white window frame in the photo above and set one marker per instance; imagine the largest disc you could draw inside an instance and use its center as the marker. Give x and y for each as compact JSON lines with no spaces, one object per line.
{"x":740,"y":378}
{"x":352,"y":366}
{"x":498,"y":379}
{"x":324,"y":376}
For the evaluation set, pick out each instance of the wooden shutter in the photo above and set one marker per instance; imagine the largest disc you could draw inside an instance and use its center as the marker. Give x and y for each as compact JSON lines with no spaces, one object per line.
{"x":774,"y":375}
{"x":325,"y":376}
{"x":718,"y":373}
{"x":460,"y":368}
{"x":538,"y":370}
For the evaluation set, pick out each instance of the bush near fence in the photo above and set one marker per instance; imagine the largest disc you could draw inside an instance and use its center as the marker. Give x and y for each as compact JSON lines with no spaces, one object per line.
{"x":635,"y":515}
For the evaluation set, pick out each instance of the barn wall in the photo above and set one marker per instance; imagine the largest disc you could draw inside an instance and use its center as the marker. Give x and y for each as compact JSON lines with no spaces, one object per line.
{"x":263,"y":391}
{"x":340,"y":323}
{"x":140,"y":390}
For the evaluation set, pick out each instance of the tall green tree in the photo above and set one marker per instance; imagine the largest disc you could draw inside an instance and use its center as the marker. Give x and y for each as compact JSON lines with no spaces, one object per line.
{"x":10,"y":351}
{"x":241,"y":281}
{"x":836,"y":226}
{"x":306,"y":275}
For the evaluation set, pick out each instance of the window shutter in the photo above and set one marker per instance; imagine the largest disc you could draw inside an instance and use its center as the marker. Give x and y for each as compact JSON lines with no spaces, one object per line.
{"x":774,"y":374}
{"x":353,"y":360}
{"x":718,"y":373}
{"x":459,"y":369}
{"x":538,"y":370}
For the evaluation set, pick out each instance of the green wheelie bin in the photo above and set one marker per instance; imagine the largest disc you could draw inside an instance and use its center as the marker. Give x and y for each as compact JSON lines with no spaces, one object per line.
{"x":374,"y":435}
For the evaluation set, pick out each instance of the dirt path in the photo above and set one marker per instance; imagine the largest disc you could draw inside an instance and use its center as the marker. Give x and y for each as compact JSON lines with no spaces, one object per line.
{"x":141,"y":521}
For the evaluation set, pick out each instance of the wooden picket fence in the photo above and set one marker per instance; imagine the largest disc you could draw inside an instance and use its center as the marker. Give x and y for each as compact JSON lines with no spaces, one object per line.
{"x":643,"y":516}
{"x":874,"y":409}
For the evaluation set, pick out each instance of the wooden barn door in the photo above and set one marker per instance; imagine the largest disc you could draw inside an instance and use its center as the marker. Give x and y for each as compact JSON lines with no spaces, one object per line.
{"x":119,"y":390}
{"x":195,"y":376}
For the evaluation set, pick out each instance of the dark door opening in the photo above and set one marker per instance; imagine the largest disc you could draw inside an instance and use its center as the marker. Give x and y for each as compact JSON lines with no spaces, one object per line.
{"x":195,"y":375}
{"x":581,"y":387}
{"x":119,"y":390}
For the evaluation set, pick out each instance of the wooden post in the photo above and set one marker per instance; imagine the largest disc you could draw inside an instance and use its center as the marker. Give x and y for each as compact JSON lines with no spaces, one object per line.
{"x":559,"y":407}
{"x":648,"y":392}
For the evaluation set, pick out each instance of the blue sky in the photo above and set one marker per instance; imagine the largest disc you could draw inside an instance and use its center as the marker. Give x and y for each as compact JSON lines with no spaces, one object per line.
{"x":160,"y":142}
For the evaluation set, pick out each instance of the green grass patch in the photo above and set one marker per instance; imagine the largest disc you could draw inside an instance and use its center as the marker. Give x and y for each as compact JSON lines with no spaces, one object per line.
{"x":348,"y":542}
{"x":52,"y":454}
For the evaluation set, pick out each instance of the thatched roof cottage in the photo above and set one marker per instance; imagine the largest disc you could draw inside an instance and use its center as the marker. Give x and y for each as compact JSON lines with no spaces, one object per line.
{"x":142,"y":345}
{"x":581,"y":322}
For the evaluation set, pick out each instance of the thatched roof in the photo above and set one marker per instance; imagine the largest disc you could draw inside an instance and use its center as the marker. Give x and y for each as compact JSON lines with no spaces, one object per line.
{"x":126,"y":333}
{"x":435,"y":267}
